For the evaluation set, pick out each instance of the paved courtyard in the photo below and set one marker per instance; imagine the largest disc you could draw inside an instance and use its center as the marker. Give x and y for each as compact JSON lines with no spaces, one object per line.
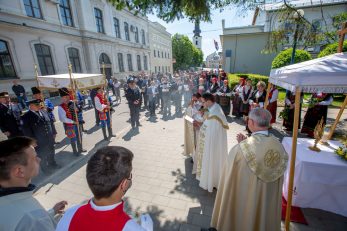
{"x":162,"y":181}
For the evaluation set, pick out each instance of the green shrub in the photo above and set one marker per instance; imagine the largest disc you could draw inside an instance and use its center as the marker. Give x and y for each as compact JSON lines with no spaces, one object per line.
{"x":235,"y":78}
{"x":332,"y":49}
{"x":284,"y":57}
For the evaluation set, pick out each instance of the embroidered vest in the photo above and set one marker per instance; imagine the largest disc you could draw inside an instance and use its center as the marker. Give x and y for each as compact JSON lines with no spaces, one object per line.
{"x":88,"y":219}
{"x":67,"y":111}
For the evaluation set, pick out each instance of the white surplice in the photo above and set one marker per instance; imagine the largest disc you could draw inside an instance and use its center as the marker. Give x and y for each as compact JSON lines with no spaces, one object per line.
{"x":212,"y":148}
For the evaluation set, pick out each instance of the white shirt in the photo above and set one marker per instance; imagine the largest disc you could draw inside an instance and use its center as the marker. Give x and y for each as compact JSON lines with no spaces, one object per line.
{"x":98,"y":105}
{"x":261,"y":132}
{"x":274,"y":96}
{"x":62,"y":116}
{"x":131,"y":225}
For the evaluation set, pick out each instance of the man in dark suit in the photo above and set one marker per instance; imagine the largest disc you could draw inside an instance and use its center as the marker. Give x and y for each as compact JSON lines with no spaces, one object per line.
{"x":37,"y":125}
{"x":92,"y":94}
{"x":134,"y":100}
{"x":9,"y":123}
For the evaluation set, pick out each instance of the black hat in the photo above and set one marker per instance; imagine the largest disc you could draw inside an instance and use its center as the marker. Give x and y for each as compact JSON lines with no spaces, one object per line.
{"x":131,"y":80}
{"x":35,"y":90}
{"x":4,"y":94}
{"x":33,"y":101}
{"x":63,"y":91}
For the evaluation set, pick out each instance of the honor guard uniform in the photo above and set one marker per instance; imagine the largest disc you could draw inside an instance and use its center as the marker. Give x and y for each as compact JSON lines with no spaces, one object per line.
{"x":67,"y":115}
{"x":37,"y":125}
{"x":166,"y":96}
{"x":134,"y":100}
{"x":103,"y":107}
{"x":48,"y":106}
{"x":10,"y":124}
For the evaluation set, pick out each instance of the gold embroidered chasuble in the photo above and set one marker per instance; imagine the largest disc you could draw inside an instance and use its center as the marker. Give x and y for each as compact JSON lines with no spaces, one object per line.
{"x":249,"y":195}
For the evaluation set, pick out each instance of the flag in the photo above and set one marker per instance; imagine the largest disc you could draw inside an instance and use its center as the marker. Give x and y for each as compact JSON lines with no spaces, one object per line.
{"x":216,"y":45}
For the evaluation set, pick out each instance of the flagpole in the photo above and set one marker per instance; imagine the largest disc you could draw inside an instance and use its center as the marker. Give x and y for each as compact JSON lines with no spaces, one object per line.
{"x":105,"y":88}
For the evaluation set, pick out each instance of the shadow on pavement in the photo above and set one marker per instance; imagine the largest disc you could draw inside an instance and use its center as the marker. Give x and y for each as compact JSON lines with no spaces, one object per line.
{"x":93,"y":129}
{"x":130,"y":134}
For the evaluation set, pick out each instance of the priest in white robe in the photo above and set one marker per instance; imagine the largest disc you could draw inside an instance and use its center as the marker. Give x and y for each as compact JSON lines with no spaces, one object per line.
{"x":250,"y":191}
{"x":212,"y":151}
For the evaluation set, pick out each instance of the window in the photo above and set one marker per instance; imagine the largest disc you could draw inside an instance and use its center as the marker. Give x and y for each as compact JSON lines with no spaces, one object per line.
{"x":162,"y":55}
{"x":137,"y":35}
{"x":166,"y":69}
{"x":196,"y":42}
{"x":155,"y":54}
{"x":126,"y":30}
{"x":104,"y":59}
{"x":143,"y":37}
{"x":155,"y":69}
{"x":74,"y":58}
{"x":168,"y":55}
{"x":6,"y":65}
{"x":145,"y":62}
{"x":158,"y":54}
{"x":120,"y":62}
{"x":139,"y":63}
{"x":99,"y":21}
{"x":32,"y":8}
{"x":158,"y":68}
{"x":44,"y":57}
{"x":65,"y":12}
{"x":130,"y":62}
{"x":169,"y":69}
{"x":116,"y":27}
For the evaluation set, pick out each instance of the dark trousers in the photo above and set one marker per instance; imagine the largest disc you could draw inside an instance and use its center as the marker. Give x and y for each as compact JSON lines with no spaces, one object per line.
{"x":145,"y":99}
{"x":97,"y":119}
{"x":134,"y":115}
{"x":178,"y":102}
{"x":46,"y":154}
{"x":166,"y":105}
{"x":151,"y":106}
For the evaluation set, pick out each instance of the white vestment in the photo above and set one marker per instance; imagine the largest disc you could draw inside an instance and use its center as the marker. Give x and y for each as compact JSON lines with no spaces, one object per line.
{"x":212,"y":148}
{"x":189,"y":144}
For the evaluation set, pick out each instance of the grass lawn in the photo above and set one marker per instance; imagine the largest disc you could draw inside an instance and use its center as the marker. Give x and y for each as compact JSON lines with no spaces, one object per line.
{"x":338,"y":99}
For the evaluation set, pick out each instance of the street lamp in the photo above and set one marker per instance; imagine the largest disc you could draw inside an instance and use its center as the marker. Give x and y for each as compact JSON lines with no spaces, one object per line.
{"x":297,"y":15}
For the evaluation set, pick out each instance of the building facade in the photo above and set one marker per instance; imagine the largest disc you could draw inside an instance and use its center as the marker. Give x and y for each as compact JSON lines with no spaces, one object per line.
{"x":214,"y":60}
{"x":243,"y":46}
{"x":197,"y":39}
{"x":161,"y":48}
{"x":85,"y":33}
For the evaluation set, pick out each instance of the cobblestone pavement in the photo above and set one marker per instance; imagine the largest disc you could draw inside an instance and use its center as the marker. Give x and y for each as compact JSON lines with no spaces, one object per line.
{"x":162,"y":181}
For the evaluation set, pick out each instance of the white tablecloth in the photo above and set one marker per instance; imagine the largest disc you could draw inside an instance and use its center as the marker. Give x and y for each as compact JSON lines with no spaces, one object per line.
{"x":320,"y":179}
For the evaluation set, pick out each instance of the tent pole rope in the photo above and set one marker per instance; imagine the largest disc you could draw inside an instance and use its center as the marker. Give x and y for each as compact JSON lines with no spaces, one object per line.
{"x":269,"y":85}
{"x":105,"y":89}
{"x":74,"y":102}
{"x":293,"y":157}
{"x":343,"y":106}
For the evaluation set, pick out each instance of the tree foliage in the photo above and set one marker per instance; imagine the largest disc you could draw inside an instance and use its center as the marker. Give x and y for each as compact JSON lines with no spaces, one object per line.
{"x":170,"y":10}
{"x":284,"y":57}
{"x":332,"y":49}
{"x":185,"y":53}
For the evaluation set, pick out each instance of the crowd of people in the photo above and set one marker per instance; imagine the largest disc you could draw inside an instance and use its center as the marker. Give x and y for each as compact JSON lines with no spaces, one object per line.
{"x":248,"y":179}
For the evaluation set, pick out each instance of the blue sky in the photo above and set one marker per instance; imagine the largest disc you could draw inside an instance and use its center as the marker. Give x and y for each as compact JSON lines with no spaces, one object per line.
{"x":210,"y":31}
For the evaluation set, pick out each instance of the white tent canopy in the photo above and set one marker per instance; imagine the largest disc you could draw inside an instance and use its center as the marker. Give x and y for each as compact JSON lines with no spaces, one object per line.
{"x":327,"y":74}
{"x":81,"y":81}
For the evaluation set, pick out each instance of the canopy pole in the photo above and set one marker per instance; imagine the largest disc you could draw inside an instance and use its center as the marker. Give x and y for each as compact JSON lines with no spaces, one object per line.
{"x":38,"y":86}
{"x":269,"y":85}
{"x":105,"y":89}
{"x":74,"y":102}
{"x":292,"y":158}
{"x":343,"y":106}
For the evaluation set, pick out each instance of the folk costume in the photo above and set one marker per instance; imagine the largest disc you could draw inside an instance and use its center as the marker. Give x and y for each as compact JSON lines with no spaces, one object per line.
{"x":314,"y":114}
{"x":272,"y":106}
{"x":249,"y":195}
{"x":237,"y":100}
{"x":104,"y":114}
{"x":245,"y":96}
{"x":212,"y":151}
{"x":224,"y":97}
{"x":90,"y":217}
{"x":67,"y":115}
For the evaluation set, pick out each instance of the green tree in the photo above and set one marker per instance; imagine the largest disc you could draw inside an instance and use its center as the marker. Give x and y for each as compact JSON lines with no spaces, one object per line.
{"x":198,"y":57}
{"x":332,"y":49}
{"x":284,"y":57}
{"x":183,"y":52}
